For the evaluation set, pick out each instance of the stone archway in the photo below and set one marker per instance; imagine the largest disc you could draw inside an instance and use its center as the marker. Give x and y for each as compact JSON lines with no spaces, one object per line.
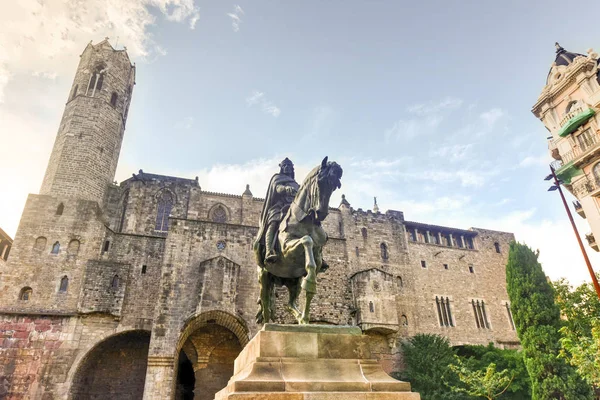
{"x":115,"y":368}
{"x":209,"y":345}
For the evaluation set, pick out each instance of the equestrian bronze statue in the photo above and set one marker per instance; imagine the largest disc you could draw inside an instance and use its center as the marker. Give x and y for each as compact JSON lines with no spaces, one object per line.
{"x":290,"y":240}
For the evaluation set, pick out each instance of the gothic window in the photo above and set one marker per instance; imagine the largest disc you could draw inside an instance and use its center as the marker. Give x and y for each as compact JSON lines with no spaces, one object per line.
{"x":480,"y":314}
{"x":497,"y":247}
{"x":470,"y":244}
{"x":510,"y":316}
{"x":40,"y":243}
{"x":113,"y":99}
{"x":25,"y":293}
{"x":400,"y":283}
{"x":60,"y":209}
{"x":413,"y":235}
{"x":363,"y":232}
{"x":371,"y":307}
{"x":115,"y":282}
{"x":404,"y":320}
{"x":96,"y":81}
{"x":443,"y":310}
{"x":74,"y":93}
{"x":73,"y":247}
{"x":124,"y":211}
{"x":64,"y":284}
{"x":219,"y":214}
{"x":165,"y":204}
{"x":55,"y":248}
{"x":384,"y":251}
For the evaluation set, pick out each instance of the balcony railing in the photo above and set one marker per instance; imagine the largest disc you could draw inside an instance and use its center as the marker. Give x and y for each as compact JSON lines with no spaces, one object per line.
{"x":585,"y":143}
{"x":570,"y":115}
{"x":586,"y":186}
{"x":592,"y":241}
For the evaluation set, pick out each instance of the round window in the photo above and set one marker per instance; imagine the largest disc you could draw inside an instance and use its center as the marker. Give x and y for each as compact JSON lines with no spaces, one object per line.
{"x":221,"y":245}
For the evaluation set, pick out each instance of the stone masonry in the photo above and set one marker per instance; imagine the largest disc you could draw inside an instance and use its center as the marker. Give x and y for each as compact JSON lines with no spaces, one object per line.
{"x":156,"y":276}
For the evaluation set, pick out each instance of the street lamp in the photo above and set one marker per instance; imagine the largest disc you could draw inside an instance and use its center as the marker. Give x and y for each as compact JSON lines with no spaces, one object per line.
{"x":556,"y":186}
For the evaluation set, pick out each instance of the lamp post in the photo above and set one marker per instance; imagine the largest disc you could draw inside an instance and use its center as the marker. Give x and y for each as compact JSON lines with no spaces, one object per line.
{"x":554,"y":187}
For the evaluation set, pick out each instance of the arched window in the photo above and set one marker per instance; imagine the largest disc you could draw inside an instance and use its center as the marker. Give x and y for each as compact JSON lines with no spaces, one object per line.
{"x":165,"y":204}
{"x":404,"y":320}
{"x":384,"y":251}
{"x":357,"y":251}
{"x":74,"y":93}
{"x":25,"y":293}
{"x":73,"y":247}
{"x":55,"y":248}
{"x":60,"y":209}
{"x":95,"y":81}
{"x":596,"y":172}
{"x":363,"y":232}
{"x":64,"y":284}
{"x":113,"y":99}
{"x":400,"y":283}
{"x":219,"y":214}
{"x":40,"y":243}
{"x":115,"y":282}
{"x":124,"y":211}
{"x":570,"y":106}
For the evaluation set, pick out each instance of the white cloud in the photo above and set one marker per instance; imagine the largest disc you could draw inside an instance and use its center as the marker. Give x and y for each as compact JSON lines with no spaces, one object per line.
{"x":492,"y":116}
{"x":44,"y":38}
{"x":449,"y":103}
{"x":259,"y":98}
{"x":529,"y":161}
{"x":236,"y":18}
{"x":455,"y":152}
{"x":185,"y":123}
{"x":411,"y":128}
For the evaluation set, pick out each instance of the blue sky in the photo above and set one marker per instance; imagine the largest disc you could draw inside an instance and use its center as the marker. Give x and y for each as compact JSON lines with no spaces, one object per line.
{"x":425,"y":105}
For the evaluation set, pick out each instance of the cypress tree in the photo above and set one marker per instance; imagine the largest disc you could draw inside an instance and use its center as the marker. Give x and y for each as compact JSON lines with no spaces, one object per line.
{"x":537,"y":319}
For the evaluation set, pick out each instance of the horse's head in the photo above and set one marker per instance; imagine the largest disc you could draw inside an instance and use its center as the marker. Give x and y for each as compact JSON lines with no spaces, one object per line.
{"x":328,"y":180}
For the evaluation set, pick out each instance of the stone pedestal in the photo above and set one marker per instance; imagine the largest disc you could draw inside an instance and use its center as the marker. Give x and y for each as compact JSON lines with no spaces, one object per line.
{"x":311,"y":362}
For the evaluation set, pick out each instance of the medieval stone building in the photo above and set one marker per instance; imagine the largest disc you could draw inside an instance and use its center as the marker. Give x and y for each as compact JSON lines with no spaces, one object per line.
{"x":148,"y":289}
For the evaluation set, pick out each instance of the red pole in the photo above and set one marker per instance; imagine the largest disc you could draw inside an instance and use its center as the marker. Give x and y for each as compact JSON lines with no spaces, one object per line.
{"x":585,"y":256}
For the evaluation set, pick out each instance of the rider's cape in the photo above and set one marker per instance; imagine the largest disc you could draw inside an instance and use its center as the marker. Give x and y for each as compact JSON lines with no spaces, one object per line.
{"x":270,"y":199}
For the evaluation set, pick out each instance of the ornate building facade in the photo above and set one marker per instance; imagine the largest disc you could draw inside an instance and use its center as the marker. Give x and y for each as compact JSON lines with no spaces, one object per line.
{"x":568,"y":107}
{"x":148,"y":289}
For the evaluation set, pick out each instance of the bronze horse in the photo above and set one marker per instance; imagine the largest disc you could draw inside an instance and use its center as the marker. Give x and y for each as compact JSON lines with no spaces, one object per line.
{"x":299,"y":245}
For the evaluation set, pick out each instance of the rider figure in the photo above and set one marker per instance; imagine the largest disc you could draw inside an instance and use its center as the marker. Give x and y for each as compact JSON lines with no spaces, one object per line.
{"x":280,"y":195}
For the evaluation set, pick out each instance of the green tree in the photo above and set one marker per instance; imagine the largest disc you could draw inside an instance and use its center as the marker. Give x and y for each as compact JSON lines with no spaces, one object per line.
{"x":537,"y":319}
{"x":487,"y":383}
{"x":580,"y":340}
{"x":427,"y":358}
{"x":480,"y":357}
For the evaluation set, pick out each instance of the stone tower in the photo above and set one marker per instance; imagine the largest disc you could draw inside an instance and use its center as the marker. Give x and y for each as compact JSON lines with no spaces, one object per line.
{"x":86,"y":151}
{"x":65,"y":225}
{"x":568,"y":106}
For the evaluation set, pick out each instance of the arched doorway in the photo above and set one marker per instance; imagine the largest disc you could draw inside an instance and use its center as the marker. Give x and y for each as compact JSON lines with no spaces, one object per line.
{"x":208,"y":347}
{"x":114,"y":369}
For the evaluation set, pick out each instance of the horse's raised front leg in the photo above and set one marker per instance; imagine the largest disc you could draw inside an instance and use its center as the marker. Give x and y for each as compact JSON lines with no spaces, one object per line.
{"x":309,"y":283}
{"x":266,"y":291}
